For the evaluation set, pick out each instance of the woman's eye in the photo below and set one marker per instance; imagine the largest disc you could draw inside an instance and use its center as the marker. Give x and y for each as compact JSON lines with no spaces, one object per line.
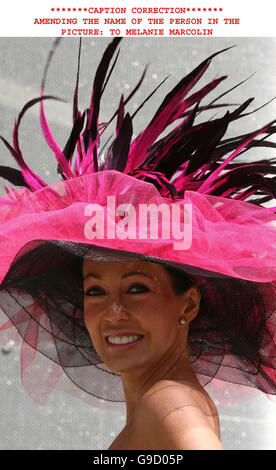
{"x":135,"y":289}
{"x":138,"y":289}
{"x":95,"y":291}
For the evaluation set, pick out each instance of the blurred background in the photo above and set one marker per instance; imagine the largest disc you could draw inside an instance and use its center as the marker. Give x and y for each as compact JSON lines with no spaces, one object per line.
{"x":66,"y":422}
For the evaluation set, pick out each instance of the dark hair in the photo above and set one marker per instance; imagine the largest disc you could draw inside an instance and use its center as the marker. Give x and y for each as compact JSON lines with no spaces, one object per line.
{"x":180,"y":280}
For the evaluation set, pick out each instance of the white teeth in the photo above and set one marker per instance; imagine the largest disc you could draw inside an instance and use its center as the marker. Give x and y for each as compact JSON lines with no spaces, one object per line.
{"x":123,"y":339}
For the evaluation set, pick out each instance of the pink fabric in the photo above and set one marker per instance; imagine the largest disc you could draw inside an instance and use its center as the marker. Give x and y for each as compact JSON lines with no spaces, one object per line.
{"x":230,"y":237}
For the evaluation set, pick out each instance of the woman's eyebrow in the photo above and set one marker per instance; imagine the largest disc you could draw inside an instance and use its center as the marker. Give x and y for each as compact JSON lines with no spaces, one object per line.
{"x":123,"y":277}
{"x":92,"y":275}
{"x":135,"y":273}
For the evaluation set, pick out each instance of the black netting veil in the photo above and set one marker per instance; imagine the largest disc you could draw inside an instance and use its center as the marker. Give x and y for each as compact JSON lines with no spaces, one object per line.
{"x":231,"y":338}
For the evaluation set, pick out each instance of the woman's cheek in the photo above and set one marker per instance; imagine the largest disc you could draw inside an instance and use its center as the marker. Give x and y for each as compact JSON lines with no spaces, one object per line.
{"x":90,"y":318}
{"x":91,"y":326}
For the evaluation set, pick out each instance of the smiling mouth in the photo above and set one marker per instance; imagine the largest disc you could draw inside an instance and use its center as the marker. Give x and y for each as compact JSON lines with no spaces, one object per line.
{"x":123,"y":339}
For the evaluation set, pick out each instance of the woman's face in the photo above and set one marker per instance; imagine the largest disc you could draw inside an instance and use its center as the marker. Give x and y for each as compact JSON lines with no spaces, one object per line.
{"x":132,"y":313}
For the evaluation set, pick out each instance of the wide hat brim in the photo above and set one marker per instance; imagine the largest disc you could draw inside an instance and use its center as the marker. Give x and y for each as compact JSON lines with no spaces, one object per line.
{"x":225,"y":236}
{"x":232,"y":339}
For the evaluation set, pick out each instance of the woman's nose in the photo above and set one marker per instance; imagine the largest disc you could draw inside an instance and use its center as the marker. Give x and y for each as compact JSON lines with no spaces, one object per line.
{"x":116,"y":312}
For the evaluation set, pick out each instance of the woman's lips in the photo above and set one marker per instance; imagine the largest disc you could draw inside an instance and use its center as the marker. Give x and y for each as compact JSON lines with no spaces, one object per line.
{"x":125,"y":345}
{"x":120,"y":333}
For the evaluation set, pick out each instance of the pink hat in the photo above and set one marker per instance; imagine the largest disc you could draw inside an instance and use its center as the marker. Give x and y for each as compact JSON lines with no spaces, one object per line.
{"x":201,"y":225}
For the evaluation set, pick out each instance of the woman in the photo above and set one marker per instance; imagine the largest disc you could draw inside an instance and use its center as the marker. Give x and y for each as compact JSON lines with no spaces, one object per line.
{"x":226,"y":302}
{"x":138,"y":323}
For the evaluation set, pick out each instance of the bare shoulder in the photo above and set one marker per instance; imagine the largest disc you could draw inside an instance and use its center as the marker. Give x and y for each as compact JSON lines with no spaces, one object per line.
{"x":175,"y":415}
{"x":167,"y":396}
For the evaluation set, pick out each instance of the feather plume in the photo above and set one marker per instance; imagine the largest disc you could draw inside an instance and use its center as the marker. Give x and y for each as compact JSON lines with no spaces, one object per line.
{"x":193,"y":155}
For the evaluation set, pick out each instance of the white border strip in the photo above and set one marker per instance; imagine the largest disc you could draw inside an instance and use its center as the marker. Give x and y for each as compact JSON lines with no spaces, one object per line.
{"x":220,"y":18}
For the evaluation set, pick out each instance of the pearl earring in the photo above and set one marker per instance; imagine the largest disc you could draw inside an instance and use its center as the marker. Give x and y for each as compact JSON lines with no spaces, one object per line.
{"x":182,"y":321}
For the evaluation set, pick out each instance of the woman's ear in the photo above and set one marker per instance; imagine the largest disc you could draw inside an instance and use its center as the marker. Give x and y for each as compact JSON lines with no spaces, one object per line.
{"x":191,"y":305}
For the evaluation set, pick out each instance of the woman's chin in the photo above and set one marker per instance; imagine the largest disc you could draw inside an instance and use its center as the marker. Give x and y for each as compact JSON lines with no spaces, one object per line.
{"x":122,"y":367}
{"x":119,"y":368}
{"x":120,"y":364}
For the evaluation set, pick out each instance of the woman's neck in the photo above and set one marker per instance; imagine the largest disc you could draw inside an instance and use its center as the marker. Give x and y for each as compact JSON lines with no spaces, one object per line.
{"x":139,"y":382}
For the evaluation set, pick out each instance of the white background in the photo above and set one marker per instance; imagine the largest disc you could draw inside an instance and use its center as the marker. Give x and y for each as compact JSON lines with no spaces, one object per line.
{"x":256,"y":18}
